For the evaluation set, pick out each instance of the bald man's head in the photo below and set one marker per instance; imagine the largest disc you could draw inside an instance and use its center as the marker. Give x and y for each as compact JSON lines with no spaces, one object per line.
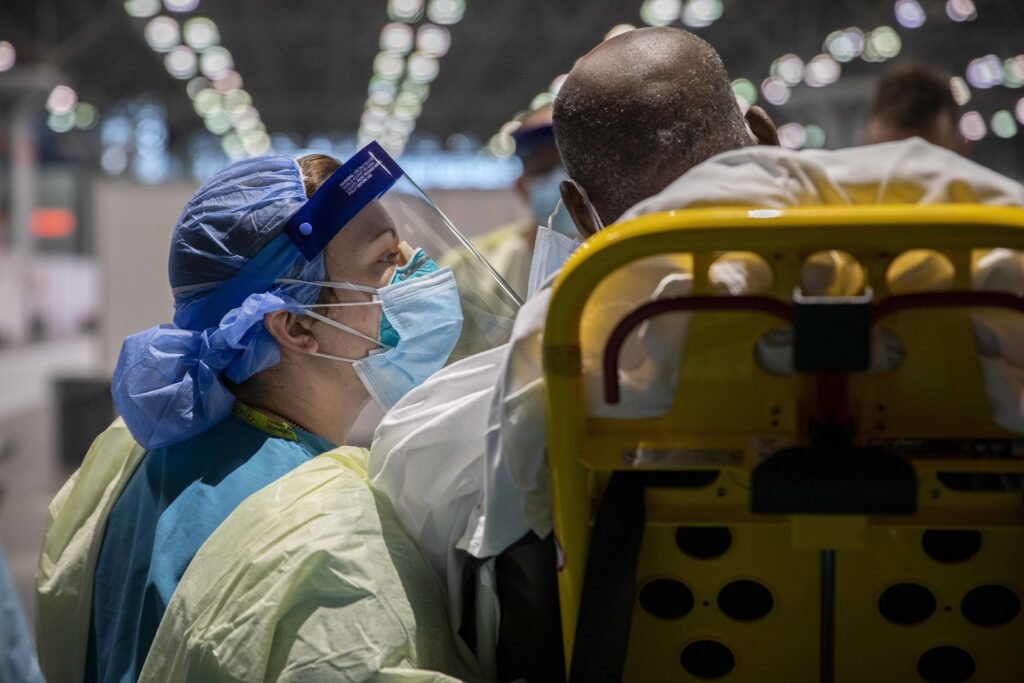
{"x":640,"y":110}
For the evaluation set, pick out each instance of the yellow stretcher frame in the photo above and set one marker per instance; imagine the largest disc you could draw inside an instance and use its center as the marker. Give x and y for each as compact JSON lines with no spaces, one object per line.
{"x":580,"y":446}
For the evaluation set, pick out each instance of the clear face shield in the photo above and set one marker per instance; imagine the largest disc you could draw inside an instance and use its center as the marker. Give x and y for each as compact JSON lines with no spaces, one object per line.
{"x":371,"y":197}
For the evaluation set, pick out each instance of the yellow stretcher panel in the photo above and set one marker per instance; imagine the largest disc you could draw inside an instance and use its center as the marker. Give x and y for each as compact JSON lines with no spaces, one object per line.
{"x":927,"y":589}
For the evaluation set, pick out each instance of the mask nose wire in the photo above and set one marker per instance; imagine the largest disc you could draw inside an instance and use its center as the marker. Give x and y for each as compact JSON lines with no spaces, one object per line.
{"x":551,"y":216}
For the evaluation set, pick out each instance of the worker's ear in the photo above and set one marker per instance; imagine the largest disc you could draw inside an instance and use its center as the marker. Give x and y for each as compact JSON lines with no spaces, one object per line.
{"x":762,"y":127}
{"x":292,"y":331}
{"x":576,"y":205}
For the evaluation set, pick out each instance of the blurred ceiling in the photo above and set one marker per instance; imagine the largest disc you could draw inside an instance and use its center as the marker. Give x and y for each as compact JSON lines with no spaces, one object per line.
{"x":307,"y":63}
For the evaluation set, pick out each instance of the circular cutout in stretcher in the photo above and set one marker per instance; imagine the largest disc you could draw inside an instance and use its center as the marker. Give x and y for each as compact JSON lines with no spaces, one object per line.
{"x":920,"y":270}
{"x":907,"y":604}
{"x":704,"y":542}
{"x":990,"y":605}
{"x":946,"y":664}
{"x":707,"y":659}
{"x":745,"y":600}
{"x":951,"y":545}
{"x":666,"y":598}
{"x":831,"y":273}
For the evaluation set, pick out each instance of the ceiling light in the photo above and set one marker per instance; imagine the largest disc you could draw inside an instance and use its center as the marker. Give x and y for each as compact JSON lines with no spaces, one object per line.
{"x":775,"y":91}
{"x":985,"y":72}
{"x":789,"y":69}
{"x":972,"y":126}
{"x":791,"y":136}
{"x":745,"y":89}
{"x":62,"y":100}
{"x":961,"y":91}
{"x":181,"y":62}
{"x":61,"y":123}
{"x":910,"y":14}
{"x":389,"y":65}
{"x":7,"y":56}
{"x":961,"y":10}
{"x":821,"y":71}
{"x":1003,"y":124}
{"x":700,"y":13}
{"x":446,"y":11}
{"x":86,"y":116}
{"x":200,"y":33}
{"x":660,"y":12}
{"x":162,"y":33}
{"x":408,"y":11}
{"x":433,"y":40}
{"x":423,"y":68}
{"x":396,"y":37}
{"x":215,"y":62}
{"x":144,"y":9}
{"x":181,"y":5}
{"x":886,"y":42}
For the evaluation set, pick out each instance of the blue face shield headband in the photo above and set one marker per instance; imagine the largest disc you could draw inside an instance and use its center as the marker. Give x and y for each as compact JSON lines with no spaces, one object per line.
{"x":367,"y":176}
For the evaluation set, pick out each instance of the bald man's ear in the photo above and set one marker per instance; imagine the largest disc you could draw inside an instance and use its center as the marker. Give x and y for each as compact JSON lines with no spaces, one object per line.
{"x":762,"y":127}
{"x":291,"y":331}
{"x":577,"y":208}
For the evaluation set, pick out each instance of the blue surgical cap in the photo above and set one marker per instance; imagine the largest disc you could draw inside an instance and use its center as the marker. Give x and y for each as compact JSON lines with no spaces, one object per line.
{"x":169,"y":381}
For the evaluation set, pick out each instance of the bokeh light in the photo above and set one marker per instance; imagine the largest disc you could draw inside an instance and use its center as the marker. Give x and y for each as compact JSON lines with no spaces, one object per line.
{"x":181,"y":6}
{"x":8,"y":56}
{"x":885,"y":42}
{"x":660,"y":12}
{"x":972,"y":126}
{"x":745,"y":89}
{"x":216,"y":62}
{"x":910,"y":14}
{"x":409,"y":11}
{"x":181,"y":62}
{"x":1013,"y":72}
{"x":791,"y":136}
{"x":144,"y":9}
{"x":822,"y":70}
{"x":195,"y":85}
{"x":114,"y":160}
{"x":162,"y":33}
{"x":501,"y":145}
{"x":62,"y":100}
{"x":200,"y":33}
{"x":557,"y":84}
{"x":86,"y":116}
{"x":423,"y":68}
{"x":775,"y":91}
{"x":61,"y":123}
{"x":446,"y":11}
{"x":700,"y":13}
{"x":389,"y":65}
{"x":961,"y":10}
{"x":814,"y":137}
{"x":961,"y":91}
{"x":397,"y":37}
{"x":845,"y":45}
{"x":985,"y":72}
{"x":1019,"y":110}
{"x":788,"y":68}
{"x":433,"y":40}
{"x":1003,"y":124}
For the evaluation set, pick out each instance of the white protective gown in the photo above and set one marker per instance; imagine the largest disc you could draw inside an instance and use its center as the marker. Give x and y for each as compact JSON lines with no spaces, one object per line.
{"x":463,"y":454}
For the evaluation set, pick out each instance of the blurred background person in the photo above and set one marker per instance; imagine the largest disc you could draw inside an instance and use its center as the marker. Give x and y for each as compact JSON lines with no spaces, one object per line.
{"x":915,"y":100}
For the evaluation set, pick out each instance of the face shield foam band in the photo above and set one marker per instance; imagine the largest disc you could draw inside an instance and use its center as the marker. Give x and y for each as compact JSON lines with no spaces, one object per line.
{"x":365,"y":177}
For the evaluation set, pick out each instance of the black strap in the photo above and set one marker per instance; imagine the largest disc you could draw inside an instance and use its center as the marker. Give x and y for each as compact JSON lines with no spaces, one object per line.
{"x":606,"y":604}
{"x":609,"y":585}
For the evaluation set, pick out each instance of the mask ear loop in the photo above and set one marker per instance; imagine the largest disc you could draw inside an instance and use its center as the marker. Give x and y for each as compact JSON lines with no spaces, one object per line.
{"x":551,"y":216}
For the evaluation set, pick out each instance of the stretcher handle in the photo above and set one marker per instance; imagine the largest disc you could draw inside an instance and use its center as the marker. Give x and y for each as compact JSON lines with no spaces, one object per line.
{"x":758,"y":304}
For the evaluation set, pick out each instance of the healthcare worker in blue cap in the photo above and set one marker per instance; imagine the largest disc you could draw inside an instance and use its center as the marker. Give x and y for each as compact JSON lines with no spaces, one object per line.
{"x":302,"y":290}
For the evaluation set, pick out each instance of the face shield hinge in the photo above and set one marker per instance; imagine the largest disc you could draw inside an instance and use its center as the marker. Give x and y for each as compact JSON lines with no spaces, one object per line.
{"x":564,"y":360}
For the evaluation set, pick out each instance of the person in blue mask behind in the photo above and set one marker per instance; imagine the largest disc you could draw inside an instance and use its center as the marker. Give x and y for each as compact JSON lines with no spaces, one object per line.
{"x":302,"y":290}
